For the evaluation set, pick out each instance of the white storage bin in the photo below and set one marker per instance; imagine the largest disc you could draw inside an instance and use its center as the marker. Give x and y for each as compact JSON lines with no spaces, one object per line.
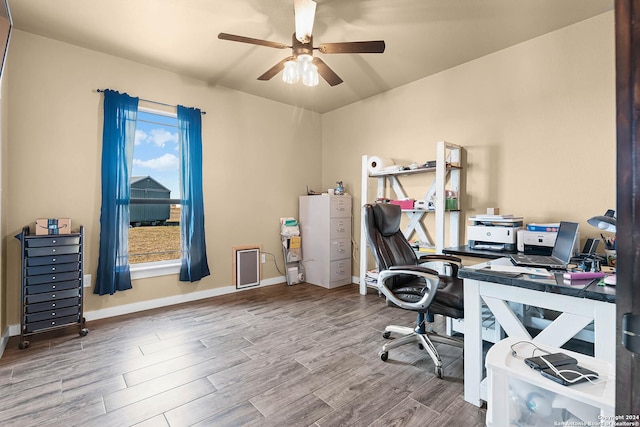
{"x":520,"y":396}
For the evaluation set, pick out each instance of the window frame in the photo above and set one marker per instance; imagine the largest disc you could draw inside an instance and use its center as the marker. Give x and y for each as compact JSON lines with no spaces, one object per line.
{"x":150,"y":269}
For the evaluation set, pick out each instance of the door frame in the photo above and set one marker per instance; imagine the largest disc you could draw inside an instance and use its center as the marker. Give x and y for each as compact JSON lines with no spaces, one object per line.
{"x":627,"y":32}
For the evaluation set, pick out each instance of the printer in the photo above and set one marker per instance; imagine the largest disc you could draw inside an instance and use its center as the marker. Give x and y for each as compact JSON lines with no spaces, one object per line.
{"x":536,"y":242}
{"x":494,"y":232}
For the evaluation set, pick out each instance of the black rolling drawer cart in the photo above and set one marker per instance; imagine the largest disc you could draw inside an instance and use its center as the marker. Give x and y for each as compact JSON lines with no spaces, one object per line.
{"x":52,"y":283}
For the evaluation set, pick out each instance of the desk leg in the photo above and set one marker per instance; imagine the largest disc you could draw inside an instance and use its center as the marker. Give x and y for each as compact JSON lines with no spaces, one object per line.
{"x":604,"y":329}
{"x":472,"y":342}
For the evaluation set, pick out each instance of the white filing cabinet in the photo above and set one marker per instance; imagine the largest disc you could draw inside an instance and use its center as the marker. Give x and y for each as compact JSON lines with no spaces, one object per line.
{"x":325,"y":226}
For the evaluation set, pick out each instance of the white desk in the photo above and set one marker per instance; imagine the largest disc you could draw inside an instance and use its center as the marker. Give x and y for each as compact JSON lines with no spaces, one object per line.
{"x":579,"y":305}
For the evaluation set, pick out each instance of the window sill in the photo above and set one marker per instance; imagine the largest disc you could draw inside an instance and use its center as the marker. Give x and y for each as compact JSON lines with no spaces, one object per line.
{"x":154,"y":269}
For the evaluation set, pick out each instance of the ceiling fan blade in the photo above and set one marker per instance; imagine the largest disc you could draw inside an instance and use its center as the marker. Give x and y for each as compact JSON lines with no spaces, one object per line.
{"x":327,"y":73}
{"x":242,"y":39}
{"x":304,"y":12}
{"x":376,"y":46}
{"x":275,"y":69}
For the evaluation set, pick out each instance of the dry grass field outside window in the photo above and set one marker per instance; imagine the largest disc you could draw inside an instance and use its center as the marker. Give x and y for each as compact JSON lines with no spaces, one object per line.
{"x":155,"y":243}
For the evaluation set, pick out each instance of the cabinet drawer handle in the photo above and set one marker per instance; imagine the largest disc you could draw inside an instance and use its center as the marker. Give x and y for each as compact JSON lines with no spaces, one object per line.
{"x":53,"y":250}
{"x":341,"y":230}
{"x":53,"y":260}
{"x":340,"y":209}
{"x":53,"y":314}
{"x":53,"y":269}
{"x":53,"y":323}
{"x":54,"y":240}
{"x":53,"y":296}
{"x":53,"y":305}
{"x":341,"y":251}
{"x":53,"y":287}
{"x":53,"y":277}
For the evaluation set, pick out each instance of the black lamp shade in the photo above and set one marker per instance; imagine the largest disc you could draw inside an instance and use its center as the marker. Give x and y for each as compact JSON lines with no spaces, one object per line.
{"x":606,"y":222}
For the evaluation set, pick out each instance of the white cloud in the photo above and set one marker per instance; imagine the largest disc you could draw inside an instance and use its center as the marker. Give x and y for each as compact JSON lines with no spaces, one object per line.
{"x":164,"y":162}
{"x":141,"y":136}
{"x":161,"y":136}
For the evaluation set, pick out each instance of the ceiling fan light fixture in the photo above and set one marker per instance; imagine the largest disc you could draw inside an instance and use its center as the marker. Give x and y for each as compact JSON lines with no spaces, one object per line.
{"x":304,"y":12}
{"x":304,"y":59}
{"x":303,"y":68}
{"x":310,"y":76}
{"x":307,"y":70}
{"x":290,"y":74}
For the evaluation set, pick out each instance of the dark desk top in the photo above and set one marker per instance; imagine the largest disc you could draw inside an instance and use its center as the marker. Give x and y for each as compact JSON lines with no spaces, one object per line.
{"x":581,"y":289}
{"x":467,"y":251}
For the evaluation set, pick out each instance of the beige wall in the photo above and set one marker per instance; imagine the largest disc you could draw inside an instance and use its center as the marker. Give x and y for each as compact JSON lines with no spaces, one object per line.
{"x":258,"y":156}
{"x":537,"y":121}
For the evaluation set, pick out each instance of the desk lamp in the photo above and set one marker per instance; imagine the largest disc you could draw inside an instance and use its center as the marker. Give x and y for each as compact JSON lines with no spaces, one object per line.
{"x":606,"y":222}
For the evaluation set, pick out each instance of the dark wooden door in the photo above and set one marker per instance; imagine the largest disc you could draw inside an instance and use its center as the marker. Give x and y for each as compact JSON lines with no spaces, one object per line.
{"x":627,"y":15}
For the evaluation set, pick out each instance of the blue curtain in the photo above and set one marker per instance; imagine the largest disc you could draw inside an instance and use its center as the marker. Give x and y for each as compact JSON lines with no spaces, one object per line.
{"x":118,"y":137}
{"x":194,"y":252}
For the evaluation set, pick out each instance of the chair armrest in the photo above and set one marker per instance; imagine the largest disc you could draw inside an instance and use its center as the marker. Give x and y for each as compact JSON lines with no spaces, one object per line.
{"x":431,"y":278}
{"x":451,"y":260}
{"x":412,"y":268}
{"x":436,"y":257}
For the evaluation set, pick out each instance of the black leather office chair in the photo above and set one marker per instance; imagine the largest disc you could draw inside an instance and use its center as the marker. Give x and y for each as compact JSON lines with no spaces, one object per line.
{"x":411,"y":286}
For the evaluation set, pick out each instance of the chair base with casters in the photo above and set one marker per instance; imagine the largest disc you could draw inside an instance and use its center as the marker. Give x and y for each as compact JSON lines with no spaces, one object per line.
{"x":420,"y":335}
{"x":426,"y":286}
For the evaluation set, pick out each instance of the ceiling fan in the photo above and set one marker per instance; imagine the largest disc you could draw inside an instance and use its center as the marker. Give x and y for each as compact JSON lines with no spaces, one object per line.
{"x":302,"y":64}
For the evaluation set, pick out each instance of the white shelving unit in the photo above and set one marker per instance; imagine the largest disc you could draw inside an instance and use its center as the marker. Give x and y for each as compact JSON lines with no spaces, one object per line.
{"x":446,"y":177}
{"x":291,"y":250}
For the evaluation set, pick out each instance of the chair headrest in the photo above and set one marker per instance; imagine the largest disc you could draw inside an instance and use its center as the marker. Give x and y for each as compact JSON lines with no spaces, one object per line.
{"x":387,"y":218}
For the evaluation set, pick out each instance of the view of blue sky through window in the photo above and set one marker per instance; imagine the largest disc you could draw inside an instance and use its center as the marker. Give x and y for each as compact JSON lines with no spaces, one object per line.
{"x":156,"y":152}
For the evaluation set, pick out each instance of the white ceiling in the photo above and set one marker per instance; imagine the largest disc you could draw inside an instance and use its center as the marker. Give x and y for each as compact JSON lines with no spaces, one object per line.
{"x":422,"y":37}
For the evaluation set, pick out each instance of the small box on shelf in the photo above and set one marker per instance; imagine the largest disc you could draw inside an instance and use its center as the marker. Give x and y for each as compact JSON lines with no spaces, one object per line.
{"x":450,"y":200}
{"x":404,"y":204}
{"x":45,"y":226}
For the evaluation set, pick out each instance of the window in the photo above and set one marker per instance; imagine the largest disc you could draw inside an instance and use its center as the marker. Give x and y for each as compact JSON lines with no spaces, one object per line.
{"x":154,"y":233}
{"x":118,"y":142}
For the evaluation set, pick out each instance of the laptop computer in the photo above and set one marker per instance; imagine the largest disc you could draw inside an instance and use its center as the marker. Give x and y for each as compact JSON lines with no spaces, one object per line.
{"x":561,"y":254}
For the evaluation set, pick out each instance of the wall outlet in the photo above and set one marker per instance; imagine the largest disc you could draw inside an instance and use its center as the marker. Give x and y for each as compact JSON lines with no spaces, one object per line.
{"x":86,"y":280}
{"x":263,"y":258}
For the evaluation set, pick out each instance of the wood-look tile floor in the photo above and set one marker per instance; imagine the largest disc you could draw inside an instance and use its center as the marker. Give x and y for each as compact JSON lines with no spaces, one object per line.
{"x":275,"y":356}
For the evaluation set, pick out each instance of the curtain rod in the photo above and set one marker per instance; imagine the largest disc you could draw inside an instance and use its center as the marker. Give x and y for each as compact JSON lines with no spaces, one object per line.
{"x":153,"y":102}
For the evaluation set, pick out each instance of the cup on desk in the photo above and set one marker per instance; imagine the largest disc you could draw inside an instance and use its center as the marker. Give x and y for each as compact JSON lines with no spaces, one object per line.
{"x":611,"y":257}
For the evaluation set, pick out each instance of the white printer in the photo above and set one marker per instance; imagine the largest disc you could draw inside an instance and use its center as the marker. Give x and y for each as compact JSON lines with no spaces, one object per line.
{"x":536,"y":242}
{"x":539,"y":239}
{"x":494,"y":232}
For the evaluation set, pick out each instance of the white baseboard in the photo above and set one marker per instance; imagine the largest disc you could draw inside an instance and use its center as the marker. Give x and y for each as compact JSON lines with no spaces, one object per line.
{"x":4,"y":339}
{"x":13,"y":330}
{"x":176,"y":299}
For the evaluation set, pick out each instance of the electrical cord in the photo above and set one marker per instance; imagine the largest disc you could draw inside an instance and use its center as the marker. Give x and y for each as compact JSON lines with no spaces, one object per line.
{"x":555,"y":370}
{"x":533,"y":353}
{"x":274,"y":261}
{"x":581,"y":376}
